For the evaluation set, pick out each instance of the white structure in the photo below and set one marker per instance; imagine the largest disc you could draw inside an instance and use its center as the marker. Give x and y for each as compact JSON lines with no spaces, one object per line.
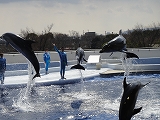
{"x":142,"y":64}
{"x":94,"y":62}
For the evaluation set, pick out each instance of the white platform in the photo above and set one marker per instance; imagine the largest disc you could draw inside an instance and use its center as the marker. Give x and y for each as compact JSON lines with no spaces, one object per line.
{"x":94,"y":62}
{"x":53,"y":78}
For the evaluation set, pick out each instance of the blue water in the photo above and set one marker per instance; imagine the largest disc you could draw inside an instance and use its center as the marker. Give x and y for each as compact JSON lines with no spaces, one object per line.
{"x":99,"y":100}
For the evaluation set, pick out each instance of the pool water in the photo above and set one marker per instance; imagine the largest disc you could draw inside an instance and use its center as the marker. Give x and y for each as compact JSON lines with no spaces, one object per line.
{"x":94,"y":99}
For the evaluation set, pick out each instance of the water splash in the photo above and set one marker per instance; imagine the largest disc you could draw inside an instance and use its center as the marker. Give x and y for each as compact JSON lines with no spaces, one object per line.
{"x":82,"y":81}
{"x":23,"y":102}
{"x":31,"y":82}
{"x":127,"y":64}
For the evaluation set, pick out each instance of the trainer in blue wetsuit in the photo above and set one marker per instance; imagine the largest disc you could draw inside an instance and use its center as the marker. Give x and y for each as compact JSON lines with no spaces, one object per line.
{"x":2,"y":67}
{"x":46,"y":58}
{"x":63,"y":60}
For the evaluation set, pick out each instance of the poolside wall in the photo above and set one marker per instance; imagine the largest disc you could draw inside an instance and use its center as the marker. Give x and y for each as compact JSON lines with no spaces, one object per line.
{"x":142,"y":53}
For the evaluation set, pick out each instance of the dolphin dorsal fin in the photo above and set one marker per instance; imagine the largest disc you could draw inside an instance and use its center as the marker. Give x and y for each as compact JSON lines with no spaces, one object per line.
{"x":135,"y":111}
{"x":124,"y":83}
{"x":120,"y":32}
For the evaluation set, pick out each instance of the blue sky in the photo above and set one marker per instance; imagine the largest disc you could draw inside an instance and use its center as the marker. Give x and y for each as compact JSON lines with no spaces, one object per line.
{"x":77,"y":15}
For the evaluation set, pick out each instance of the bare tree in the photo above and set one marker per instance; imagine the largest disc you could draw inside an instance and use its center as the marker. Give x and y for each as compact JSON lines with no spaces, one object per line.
{"x":75,"y":39}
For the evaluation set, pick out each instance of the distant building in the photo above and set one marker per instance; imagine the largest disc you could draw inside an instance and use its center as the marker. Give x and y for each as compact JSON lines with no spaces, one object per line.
{"x":90,"y":34}
{"x":108,"y":33}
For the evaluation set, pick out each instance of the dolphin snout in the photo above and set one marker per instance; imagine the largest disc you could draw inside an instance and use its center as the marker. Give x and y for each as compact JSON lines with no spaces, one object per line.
{"x":101,"y":51}
{"x":2,"y":41}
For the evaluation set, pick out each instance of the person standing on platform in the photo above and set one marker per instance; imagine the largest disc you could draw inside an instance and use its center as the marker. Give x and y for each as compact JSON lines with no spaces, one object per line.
{"x":63,"y":60}
{"x":2,"y":67}
{"x":46,"y":58}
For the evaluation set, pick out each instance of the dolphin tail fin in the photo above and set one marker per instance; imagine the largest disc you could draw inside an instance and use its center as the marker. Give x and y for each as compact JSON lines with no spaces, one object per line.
{"x":78,"y":66}
{"x":120,"y":32}
{"x":135,"y":111}
{"x":37,"y":75}
{"x":131,"y":55}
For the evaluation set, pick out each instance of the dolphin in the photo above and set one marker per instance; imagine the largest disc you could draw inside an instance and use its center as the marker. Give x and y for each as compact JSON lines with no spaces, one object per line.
{"x":24,"y":47}
{"x":80,"y":57}
{"x":128,"y":101}
{"x":118,"y":44}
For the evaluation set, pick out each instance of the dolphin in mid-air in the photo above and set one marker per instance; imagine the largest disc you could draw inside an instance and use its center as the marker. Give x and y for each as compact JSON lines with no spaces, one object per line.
{"x":118,"y":44}
{"x":24,"y":47}
{"x":80,"y":58}
{"x":128,"y":101}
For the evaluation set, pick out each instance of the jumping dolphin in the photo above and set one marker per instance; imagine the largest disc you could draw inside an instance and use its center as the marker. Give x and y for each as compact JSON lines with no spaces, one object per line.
{"x":118,"y":44}
{"x":80,"y":57}
{"x":128,"y":101}
{"x":24,"y":47}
